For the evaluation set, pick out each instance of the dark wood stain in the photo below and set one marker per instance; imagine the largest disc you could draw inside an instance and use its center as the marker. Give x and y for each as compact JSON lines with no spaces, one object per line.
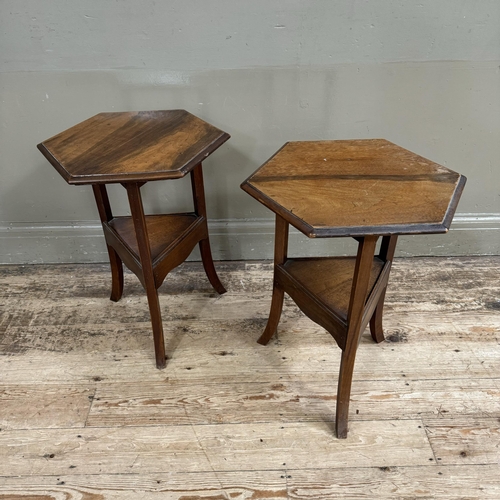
{"x":132,"y":146}
{"x":451,"y":177}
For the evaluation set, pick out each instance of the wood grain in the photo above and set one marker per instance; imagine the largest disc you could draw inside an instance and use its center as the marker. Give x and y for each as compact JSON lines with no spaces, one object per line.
{"x":163,"y":231}
{"x":132,"y":146}
{"x":209,"y":485}
{"x":465,"y":441}
{"x":432,"y":386}
{"x":355,"y":188}
{"x":223,"y":447}
{"x":470,"y":482}
{"x":44,"y":406}
{"x":474,"y":482}
{"x":306,"y":397}
{"x":333,"y":292}
{"x":223,"y":362}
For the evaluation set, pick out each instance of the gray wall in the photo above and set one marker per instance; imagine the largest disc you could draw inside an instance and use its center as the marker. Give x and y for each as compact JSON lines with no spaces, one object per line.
{"x":425,"y":75}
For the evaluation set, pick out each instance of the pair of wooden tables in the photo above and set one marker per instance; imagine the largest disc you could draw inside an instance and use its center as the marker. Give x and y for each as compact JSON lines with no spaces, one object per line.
{"x":364,"y":189}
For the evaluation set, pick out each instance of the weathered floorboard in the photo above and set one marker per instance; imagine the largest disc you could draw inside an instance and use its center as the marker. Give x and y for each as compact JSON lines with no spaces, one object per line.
{"x":465,"y":441}
{"x":424,"y":411}
{"x":473,"y":482}
{"x":208,"y":485}
{"x":452,"y":482}
{"x":44,"y":406}
{"x":304,"y":398}
{"x":224,"y":447}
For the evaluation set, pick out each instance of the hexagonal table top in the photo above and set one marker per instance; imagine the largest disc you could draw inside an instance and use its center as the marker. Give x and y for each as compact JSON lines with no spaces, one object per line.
{"x":132,"y":146}
{"x":355,"y":188}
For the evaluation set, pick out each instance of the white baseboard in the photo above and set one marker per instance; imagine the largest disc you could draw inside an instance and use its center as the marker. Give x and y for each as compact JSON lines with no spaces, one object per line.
{"x":237,"y":239}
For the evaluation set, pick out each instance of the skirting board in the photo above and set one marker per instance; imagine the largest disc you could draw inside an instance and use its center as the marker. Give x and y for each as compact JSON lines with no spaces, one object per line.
{"x":237,"y":239}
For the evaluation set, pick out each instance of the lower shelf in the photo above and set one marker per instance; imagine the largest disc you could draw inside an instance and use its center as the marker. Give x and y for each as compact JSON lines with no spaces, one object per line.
{"x":171,"y":237}
{"x":329,"y":280}
{"x":163,"y":231}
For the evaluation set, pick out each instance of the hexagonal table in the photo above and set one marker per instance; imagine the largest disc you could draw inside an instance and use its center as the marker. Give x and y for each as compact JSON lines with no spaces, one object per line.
{"x":133,"y":148}
{"x":363,"y":189}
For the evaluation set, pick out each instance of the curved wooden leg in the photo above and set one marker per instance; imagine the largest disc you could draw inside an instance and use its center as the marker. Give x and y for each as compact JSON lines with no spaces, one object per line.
{"x":116,"y":275}
{"x":280,"y":255}
{"x":154,"y":311}
{"x":208,"y":265}
{"x":376,"y":329}
{"x":344,"y":392}
{"x":200,"y":209}
{"x":387,"y":250}
{"x":274,"y":315}
{"x":105,"y":214}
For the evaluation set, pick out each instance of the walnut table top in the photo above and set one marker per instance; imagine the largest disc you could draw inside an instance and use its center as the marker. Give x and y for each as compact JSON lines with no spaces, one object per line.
{"x":356,"y":188}
{"x":132,"y":147}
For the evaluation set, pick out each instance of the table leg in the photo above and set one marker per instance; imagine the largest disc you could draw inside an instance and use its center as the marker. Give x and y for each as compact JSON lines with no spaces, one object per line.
{"x":280,"y":255}
{"x":137,"y":212}
{"x":387,"y":250}
{"x":359,"y":292}
{"x":104,"y":208}
{"x":116,"y":275}
{"x":200,"y":209}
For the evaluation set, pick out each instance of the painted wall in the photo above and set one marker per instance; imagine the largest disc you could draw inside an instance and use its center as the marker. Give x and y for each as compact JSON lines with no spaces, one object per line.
{"x":425,"y":75}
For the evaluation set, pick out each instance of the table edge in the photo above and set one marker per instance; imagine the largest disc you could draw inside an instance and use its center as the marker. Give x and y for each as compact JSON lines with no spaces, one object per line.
{"x":356,"y":231}
{"x":136,"y":176}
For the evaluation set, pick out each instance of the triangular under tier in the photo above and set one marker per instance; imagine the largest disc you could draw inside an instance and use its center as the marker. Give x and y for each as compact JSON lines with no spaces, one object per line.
{"x":163,"y":231}
{"x":330,"y":279}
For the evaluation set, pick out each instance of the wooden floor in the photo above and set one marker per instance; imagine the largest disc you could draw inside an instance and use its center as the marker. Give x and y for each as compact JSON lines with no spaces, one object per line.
{"x":84,"y":413}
